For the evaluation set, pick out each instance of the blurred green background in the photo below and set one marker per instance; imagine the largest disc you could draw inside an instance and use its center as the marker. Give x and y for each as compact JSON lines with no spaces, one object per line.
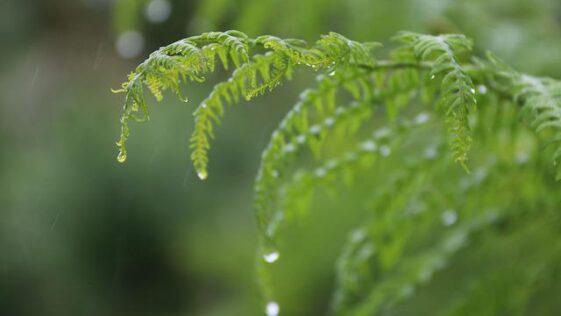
{"x":82,"y":235}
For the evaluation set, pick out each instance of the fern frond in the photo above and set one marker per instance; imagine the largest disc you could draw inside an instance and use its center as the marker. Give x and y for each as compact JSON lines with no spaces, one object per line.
{"x":541,"y":98}
{"x":396,"y":213}
{"x":263,"y":73}
{"x":194,"y":58}
{"x":295,"y":198}
{"x":191,"y":58}
{"x":419,"y":269}
{"x":315,"y":149}
{"x":308,"y":123}
{"x":458,"y":91}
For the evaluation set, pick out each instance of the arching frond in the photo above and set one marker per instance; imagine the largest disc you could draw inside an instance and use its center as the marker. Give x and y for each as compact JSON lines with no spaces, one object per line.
{"x":410,"y":233}
{"x":457,"y":89}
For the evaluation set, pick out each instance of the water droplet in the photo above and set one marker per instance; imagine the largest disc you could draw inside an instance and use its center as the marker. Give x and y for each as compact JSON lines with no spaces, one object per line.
{"x":422,"y":118}
{"x":271,"y":257}
{"x":272,"y":309}
{"x":358,"y":235}
{"x":366,"y":252}
{"x":289,"y":148}
{"x":122,"y":157}
{"x":407,"y":290}
{"x":301,"y":139}
{"x":472,"y":90}
{"x":385,"y":150}
{"x":480,"y":174}
{"x":449,"y":217}
{"x":130,"y":44}
{"x":382,"y":132}
{"x":203,"y":105}
{"x":315,"y":130}
{"x":432,"y":77}
{"x":369,"y":146}
{"x":320,"y":172}
{"x":522,"y":157}
{"x":425,"y":275}
{"x":482,"y":89}
{"x":431,"y":152}
{"x":158,"y":11}
{"x":332,"y":163}
{"x":332,"y":73}
{"x":202,"y":174}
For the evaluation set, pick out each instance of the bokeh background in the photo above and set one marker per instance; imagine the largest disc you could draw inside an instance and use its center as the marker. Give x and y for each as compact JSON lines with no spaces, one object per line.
{"x":81,"y":234}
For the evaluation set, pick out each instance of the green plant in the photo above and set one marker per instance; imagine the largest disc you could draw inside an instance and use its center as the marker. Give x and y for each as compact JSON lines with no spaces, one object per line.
{"x":425,"y":211}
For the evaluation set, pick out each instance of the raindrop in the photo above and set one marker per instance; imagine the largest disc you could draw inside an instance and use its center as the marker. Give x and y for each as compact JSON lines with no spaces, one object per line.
{"x":130,"y":44}
{"x":332,"y":73}
{"x":203,"y":105}
{"x":271,"y":257}
{"x":289,"y":148}
{"x":320,"y":172}
{"x":425,"y":275}
{"x":315,"y":130}
{"x":332,"y":163}
{"x":365,"y":252}
{"x":358,"y":235}
{"x":272,"y":309}
{"x":385,"y":150}
{"x":202,"y":174}
{"x":407,"y":290}
{"x":122,"y":157}
{"x":382,"y":132}
{"x":158,"y":11}
{"x":432,"y":77}
{"x":482,"y":89}
{"x":472,"y":90}
{"x":449,"y":217}
{"x":369,"y":146}
{"x":422,"y":118}
{"x":479,"y":175}
{"x":522,"y":157}
{"x":431,"y":153}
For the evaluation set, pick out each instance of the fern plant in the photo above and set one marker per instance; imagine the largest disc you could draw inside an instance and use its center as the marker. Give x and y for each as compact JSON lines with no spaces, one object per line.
{"x":404,"y":123}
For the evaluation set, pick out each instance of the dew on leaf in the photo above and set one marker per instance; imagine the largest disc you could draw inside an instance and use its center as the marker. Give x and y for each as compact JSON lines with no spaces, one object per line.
{"x":320,"y":172}
{"x":449,"y":217}
{"x":272,"y":308}
{"x":271,"y":257}
{"x":422,"y":118}
{"x":385,"y":150}
{"x":203,"y":174}
{"x":368,"y":146}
